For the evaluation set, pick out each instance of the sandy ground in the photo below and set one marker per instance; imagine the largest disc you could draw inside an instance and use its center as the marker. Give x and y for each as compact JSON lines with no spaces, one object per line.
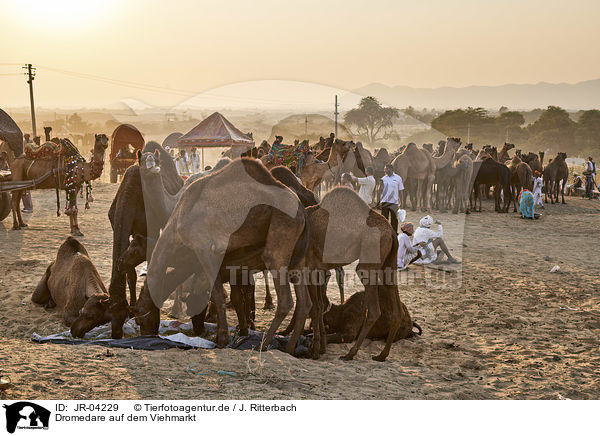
{"x":503,"y":327}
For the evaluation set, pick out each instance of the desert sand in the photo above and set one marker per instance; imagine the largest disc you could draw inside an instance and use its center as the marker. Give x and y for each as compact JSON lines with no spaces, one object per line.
{"x":500,"y":327}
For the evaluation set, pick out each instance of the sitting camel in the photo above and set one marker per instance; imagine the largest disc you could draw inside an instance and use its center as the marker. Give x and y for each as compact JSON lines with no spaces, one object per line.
{"x":73,"y":284}
{"x":343,"y":321}
{"x":239,"y":217}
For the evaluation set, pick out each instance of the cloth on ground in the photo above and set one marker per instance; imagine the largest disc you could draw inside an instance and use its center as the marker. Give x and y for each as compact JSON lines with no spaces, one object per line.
{"x":172,"y":334}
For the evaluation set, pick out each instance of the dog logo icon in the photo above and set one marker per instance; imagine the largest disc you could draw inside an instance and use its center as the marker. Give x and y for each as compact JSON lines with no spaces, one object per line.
{"x":26,"y":415}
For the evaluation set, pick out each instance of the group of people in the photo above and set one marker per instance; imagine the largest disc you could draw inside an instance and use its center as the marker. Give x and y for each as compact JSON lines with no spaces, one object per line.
{"x":187,"y":164}
{"x":427,"y":245}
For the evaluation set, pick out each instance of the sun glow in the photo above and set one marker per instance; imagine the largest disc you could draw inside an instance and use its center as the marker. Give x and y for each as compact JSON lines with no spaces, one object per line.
{"x":64,"y":14}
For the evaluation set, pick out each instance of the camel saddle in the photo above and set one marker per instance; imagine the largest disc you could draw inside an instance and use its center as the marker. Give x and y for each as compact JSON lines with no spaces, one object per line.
{"x":47,"y":151}
{"x":288,"y":155}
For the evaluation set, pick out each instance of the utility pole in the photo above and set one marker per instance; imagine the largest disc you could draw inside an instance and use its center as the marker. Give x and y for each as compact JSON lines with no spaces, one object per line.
{"x":336,"y":113}
{"x":469,"y":133}
{"x":30,"y":76}
{"x":306,"y":127}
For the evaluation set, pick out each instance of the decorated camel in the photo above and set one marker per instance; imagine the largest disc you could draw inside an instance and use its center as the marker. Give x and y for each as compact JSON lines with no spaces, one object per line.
{"x":210,"y":234}
{"x":72,"y":284}
{"x":75,"y":172}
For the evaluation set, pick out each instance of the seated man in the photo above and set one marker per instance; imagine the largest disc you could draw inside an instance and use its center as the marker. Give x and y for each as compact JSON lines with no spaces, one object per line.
{"x":407,"y":253}
{"x":433,"y":241}
{"x":577,"y":183}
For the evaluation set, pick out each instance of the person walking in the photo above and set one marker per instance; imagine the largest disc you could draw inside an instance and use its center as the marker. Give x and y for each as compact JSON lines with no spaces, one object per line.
{"x":391,"y":186}
{"x":537,"y":190}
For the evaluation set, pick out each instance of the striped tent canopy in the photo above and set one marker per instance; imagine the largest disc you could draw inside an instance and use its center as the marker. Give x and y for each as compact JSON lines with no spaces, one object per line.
{"x":215,"y":131}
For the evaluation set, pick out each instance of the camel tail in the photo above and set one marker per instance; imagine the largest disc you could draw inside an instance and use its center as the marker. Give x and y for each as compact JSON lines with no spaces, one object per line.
{"x":302,"y":243}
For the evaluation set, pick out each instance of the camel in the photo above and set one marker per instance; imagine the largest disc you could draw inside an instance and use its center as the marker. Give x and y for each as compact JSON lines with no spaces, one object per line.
{"x":533,"y":161}
{"x":73,"y":284}
{"x":357,"y":160}
{"x":503,"y":154}
{"x":521,"y":178}
{"x":463,"y":181}
{"x":491,"y":172}
{"x":238,"y":217}
{"x":380,"y":159}
{"x":343,"y":321}
{"x":417,"y":167}
{"x":127,"y":215}
{"x":554,"y":172}
{"x":344,"y":229}
{"x":313,"y":171}
{"x":24,"y":168}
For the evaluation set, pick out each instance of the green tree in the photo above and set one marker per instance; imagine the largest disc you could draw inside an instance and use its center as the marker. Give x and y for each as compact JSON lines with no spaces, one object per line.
{"x":553,"y":129}
{"x":371,"y":119}
{"x":587,"y":132}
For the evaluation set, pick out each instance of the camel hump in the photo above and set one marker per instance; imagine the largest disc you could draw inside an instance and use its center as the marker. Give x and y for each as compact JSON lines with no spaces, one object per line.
{"x":71,"y":246}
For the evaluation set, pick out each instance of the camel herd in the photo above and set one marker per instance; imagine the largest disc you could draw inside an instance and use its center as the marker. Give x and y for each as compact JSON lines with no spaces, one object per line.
{"x":245,"y":216}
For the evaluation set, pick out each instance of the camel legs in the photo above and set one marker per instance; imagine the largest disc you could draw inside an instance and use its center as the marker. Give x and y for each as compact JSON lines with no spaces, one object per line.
{"x":373,"y":310}
{"x":74,"y":224}
{"x":268,"y":298}
{"x":284,"y":304}
{"x":18,"y":222}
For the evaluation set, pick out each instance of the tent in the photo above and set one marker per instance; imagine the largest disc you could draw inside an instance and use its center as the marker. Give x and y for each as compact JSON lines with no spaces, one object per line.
{"x":171,"y":140}
{"x":216,"y":131}
{"x":10,"y":132}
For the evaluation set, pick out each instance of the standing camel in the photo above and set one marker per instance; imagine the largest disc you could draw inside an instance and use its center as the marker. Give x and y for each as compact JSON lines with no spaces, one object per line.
{"x":24,"y":169}
{"x":555,"y":172}
{"x":313,"y":171}
{"x":239,"y":217}
{"x":521,"y":178}
{"x":344,"y":229}
{"x":503,"y":154}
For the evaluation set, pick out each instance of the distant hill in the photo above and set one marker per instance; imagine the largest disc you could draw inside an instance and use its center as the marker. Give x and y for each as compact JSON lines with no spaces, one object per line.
{"x":582,"y":95}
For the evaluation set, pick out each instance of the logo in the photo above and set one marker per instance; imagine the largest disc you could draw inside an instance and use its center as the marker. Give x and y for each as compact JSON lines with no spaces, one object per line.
{"x":26,"y":415}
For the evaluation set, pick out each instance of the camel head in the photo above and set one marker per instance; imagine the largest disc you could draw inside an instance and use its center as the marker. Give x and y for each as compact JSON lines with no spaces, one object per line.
{"x":453,"y":143}
{"x":95,"y":312}
{"x":101,"y":143}
{"x":561,"y":155}
{"x":149,"y":162}
{"x":134,"y":255}
{"x":333,"y":318}
{"x":508,"y":146}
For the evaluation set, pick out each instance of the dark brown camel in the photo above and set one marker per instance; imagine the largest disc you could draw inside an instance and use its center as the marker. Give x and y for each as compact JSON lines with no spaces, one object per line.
{"x":127,"y":215}
{"x":521,"y":178}
{"x":238,"y":217}
{"x":555,"y":172}
{"x":493,"y":173}
{"x":24,"y":168}
{"x":343,"y":321}
{"x":73,"y":284}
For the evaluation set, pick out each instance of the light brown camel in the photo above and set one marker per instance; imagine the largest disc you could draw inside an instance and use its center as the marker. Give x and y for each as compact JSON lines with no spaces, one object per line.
{"x":417,"y":167}
{"x":238,"y":217}
{"x":503,"y":153}
{"x":555,"y":172}
{"x":73,"y":284}
{"x":357,"y":160}
{"x":463,"y":180}
{"x":29,"y":169}
{"x":313,"y":171}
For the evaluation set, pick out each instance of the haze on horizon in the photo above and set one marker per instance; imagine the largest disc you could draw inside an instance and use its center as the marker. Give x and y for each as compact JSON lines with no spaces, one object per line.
{"x":187,"y":47}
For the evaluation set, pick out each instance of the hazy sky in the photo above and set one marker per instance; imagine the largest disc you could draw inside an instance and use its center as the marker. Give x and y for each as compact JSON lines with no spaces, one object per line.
{"x":195,"y":46}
